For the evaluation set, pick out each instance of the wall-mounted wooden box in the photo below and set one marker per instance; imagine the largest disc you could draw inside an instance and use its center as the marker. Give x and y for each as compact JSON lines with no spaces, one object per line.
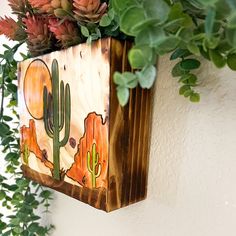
{"x":75,"y":138}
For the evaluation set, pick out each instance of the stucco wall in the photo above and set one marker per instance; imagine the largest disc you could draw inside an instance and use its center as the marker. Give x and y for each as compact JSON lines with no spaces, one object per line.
{"x":192,"y":174}
{"x":192,"y":189}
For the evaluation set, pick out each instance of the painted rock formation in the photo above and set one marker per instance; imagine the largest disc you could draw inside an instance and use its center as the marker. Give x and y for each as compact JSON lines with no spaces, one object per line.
{"x":94,"y":140}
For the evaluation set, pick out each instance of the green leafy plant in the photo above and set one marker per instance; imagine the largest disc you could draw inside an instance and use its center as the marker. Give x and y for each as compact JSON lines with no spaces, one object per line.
{"x":19,"y":197}
{"x":187,"y":29}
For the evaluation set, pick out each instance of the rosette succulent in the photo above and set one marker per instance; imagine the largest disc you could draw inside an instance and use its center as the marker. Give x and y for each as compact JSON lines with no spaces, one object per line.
{"x":39,"y":36}
{"x":51,"y":6}
{"x":67,"y":32}
{"x":89,"y":10}
{"x":11,"y":29}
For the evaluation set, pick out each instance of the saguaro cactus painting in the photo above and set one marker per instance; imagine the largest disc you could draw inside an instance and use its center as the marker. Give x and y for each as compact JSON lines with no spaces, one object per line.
{"x":75,"y":138}
{"x":93,"y":166}
{"x":56,"y":115}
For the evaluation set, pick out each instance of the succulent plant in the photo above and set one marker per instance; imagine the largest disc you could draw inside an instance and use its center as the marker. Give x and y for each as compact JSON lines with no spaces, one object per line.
{"x":19,"y":7}
{"x":49,"y":6}
{"x":11,"y":29}
{"x":89,"y":10}
{"x":43,"y":6}
{"x":67,"y":32}
{"x":39,"y":36}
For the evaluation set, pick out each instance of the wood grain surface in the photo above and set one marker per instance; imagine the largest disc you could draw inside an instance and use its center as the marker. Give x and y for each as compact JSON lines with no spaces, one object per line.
{"x":123,"y":133}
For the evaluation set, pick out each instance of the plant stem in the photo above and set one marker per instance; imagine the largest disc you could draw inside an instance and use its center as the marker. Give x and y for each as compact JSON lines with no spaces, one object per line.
{"x":2,"y":96}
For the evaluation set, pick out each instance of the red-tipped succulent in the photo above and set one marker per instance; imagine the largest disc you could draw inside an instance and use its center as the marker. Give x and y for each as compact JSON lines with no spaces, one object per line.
{"x":18,"y":6}
{"x":11,"y":29}
{"x":67,"y":32}
{"x":89,"y":10}
{"x":39,"y":36}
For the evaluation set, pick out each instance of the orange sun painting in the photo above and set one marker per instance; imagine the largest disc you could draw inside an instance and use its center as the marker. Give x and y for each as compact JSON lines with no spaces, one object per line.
{"x":37,"y":76}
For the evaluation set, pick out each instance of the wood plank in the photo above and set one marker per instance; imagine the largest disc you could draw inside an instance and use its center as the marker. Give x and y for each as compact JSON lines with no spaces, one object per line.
{"x":129,"y":136}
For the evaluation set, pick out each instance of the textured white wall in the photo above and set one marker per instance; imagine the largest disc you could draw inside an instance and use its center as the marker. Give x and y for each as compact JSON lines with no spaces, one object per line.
{"x":192,"y":189}
{"x":192,"y":174}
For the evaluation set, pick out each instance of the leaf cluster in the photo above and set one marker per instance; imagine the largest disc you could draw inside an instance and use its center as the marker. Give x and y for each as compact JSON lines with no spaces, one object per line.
{"x":20,"y":197}
{"x":187,"y":29}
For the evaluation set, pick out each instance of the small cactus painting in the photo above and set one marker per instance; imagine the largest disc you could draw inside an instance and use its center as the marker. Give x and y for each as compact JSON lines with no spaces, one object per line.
{"x":74,"y":135}
{"x":93,"y":164}
{"x":26,"y":154}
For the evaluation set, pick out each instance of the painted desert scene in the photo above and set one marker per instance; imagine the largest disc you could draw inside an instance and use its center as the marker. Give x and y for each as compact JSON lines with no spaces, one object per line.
{"x":64,"y":104}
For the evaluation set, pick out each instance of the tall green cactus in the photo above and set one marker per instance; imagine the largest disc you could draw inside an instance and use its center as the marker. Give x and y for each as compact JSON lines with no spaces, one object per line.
{"x":56,"y":115}
{"x":95,"y":165}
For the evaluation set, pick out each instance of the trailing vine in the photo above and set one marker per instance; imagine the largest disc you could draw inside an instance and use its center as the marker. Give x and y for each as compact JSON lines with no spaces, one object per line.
{"x":21,"y":198}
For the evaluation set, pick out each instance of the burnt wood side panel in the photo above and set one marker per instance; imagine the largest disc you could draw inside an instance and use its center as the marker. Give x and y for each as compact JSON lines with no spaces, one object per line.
{"x":129,"y":137}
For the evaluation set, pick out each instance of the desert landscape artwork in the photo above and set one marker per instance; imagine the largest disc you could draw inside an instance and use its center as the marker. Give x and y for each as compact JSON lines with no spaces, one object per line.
{"x":75,"y":137}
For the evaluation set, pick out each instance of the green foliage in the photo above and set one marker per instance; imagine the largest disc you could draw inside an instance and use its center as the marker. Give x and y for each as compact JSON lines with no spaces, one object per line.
{"x":21,"y":197}
{"x":58,"y":117}
{"x":185,"y":28}
{"x":93,"y":166}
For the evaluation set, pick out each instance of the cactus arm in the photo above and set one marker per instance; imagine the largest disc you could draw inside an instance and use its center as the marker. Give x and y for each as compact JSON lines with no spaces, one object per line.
{"x":45,"y":113}
{"x":99,"y":171}
{"x":67,"y":116}
{"x":62,"y":102}
{"x":88,"y":162}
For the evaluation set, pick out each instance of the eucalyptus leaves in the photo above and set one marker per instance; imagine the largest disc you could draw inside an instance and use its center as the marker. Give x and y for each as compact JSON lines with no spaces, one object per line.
{"x":186,"y":28}
{"x":18,"y":196}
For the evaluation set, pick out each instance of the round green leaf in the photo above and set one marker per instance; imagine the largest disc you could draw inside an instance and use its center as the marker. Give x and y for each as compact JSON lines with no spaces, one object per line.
{"x":195,"y":97}
{"x":105,"y":20}
{"x":193,"y":48}
{"x":147,"y":76}
{"x":84,"y":31}
{"x":231,"y":61}
{"x":123,"y":95}
{"x":178,"y":71}
{"x":217,"y":58}
{"x":156,"y":9}
{"x":130,"y":79}
{"x":190,"y":64}
{"x":131,"y":18}
{"x":140,"y":56}
{"x":118,"y":79}
{"x":184,"y":89}
{"x":18,"y":230}
{"x":167,"y":44}
{"x":4,"y":129}
{"x":2,"y":195}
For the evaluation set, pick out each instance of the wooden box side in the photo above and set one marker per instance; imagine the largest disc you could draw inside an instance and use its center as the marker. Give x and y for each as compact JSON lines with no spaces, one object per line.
{"x":129,"y":137}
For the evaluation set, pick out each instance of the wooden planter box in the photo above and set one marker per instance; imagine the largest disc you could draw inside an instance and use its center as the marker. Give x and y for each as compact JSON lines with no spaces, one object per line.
{"x":75,"y":137}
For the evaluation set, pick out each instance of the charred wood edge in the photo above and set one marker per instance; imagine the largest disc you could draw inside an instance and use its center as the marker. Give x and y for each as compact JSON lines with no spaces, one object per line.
{"x":93,"y":197}
{"x":129,"y":137}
